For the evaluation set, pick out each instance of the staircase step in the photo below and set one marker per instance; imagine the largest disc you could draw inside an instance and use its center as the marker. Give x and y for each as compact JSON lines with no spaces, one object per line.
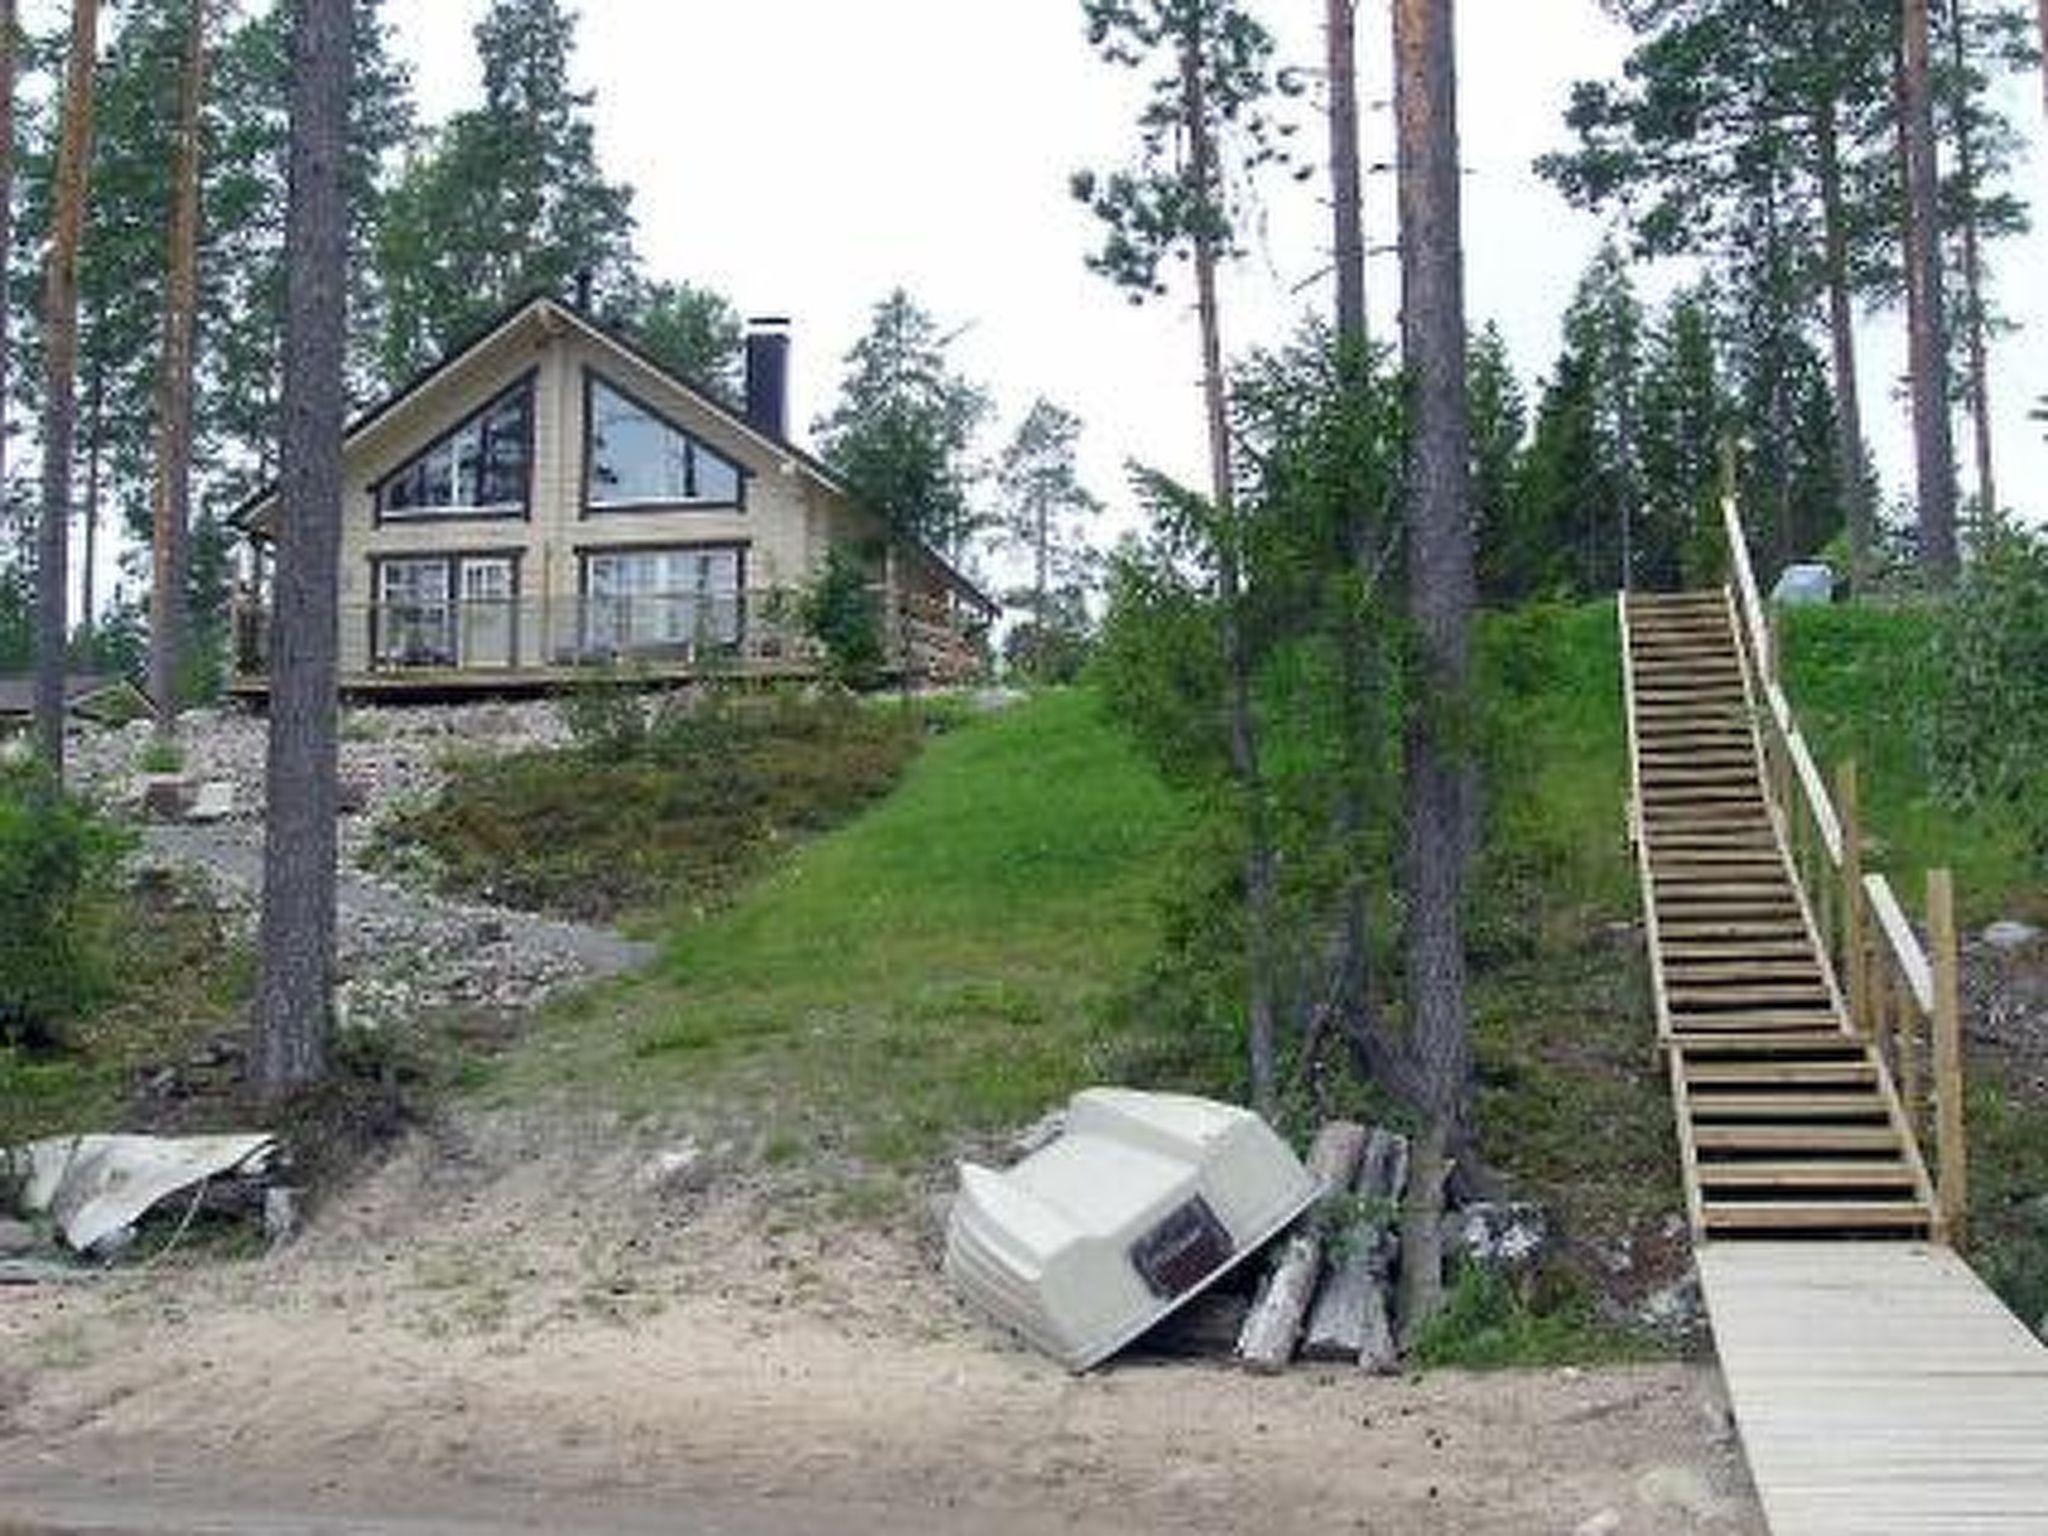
{"x":1796,"y":1139}
{"x":1754,"y":1020}
{"x":1717,"y":1106}
{"x":1787,"y":1045}
{"x":1822,"y":1173}
{"x":1815,"y":1216}
{"x":1857,"y":1071}
{"x":1731,"y":971}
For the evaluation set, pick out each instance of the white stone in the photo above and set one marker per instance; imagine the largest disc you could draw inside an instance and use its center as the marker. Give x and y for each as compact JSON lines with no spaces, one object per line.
{"x":1606,"y":1523}
{"x":2010,"y":935}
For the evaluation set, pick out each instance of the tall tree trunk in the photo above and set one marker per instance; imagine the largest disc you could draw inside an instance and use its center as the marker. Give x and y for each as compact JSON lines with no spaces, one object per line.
{"x":1441,"y":782}
{"x":171,"y":504}
{"x":1933,"y":438}
{"x":1975,"y":322}
{"x":294,"y":992}
{"x":89,"y":513}
{"x":1842,"y":336}
{"x":9,"y":58}
{"x":1360,"y":678}
{"x":1346,"y":194}
{"x":1260,"y":873}
{"x":2044,"y":53}
{"x":60,"y":349}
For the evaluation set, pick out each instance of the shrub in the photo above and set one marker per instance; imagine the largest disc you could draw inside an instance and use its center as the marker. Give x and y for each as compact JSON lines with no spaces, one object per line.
{"x":605,"y":715}
{"x":161,"y":756}
{"x":841,"y":613}
{"x":1987,"y":735}
{"x":55,"y":857}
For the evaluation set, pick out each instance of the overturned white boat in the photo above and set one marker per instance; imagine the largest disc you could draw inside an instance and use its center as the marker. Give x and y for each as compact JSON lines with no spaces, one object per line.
{"x":1142,"y":1202}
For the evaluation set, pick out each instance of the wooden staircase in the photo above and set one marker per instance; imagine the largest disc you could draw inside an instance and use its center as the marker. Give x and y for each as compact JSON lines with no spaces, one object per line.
{"x":1789,"y":1124}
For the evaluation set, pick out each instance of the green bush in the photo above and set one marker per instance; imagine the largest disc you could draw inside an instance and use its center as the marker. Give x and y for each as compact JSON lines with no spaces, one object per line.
{"x":680,"y":806}
{"x":55,"y":858}
{"x":605,"y":714}
{"x":841,"y":613}
{"x":1987,"y":735}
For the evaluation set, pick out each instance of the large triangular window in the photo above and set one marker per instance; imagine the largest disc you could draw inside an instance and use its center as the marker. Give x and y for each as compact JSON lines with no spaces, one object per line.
{"x":637,"y":458}
{"x":481,"y":468}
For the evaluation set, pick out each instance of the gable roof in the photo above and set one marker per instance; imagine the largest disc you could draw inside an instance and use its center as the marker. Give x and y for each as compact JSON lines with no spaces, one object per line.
{"x":612,"y":337}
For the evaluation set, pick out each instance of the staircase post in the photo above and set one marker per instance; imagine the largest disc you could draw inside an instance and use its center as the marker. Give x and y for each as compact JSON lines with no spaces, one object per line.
{"x":1855,"y":947}
{"x":1953,"y":1182}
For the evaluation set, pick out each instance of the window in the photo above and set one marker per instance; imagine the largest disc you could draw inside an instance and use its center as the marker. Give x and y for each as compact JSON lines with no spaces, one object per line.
{"x":414,"y":621}
{"x":635,"y":458}
{"x":479,"y":469}
{"x":661,"y":599}
{"x":445,"y":611}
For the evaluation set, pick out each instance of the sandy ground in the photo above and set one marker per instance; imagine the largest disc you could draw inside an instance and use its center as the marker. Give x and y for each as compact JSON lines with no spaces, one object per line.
{"x":491,"y":1334}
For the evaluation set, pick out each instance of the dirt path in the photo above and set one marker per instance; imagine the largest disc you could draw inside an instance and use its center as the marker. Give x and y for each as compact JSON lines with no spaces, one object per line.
{"x":497,"y":1332}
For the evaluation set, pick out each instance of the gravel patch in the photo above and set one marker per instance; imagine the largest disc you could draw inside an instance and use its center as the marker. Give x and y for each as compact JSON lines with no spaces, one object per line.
{"x":403,"y":951}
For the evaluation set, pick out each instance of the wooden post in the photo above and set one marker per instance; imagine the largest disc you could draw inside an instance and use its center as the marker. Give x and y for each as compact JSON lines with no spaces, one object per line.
{"x":1953,"y":1189}
{"x":1855,"y":935}
{"x":1882,"y":1007}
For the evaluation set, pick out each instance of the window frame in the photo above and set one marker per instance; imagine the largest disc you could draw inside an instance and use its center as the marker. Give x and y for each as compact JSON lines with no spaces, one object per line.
{"x":451,"y":562}
{"x":739,"y":549}
{"x":587,"y":508}
{"x":521,"y":510}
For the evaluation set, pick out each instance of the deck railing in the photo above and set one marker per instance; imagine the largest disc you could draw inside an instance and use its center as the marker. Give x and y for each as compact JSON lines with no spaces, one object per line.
{"x":1902,"y":991}
{"x":474,"y":639}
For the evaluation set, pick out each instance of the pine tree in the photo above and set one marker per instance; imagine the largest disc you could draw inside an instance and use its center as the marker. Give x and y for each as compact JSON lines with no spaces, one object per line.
{"x":1203,"y":129}
{"x":692,"y":330}
{"x":1926,"y":305}
{"x":507,"y":199}
{"x":172,"y":501}
{"x":1686,"y":417}
{"x":294,"y":990}
{"x":1045,"y":510}
{"x":1500,"y":423}
{"x":1442,"y":781}
{"x":903,"y":429}
{"x":60,"y":362}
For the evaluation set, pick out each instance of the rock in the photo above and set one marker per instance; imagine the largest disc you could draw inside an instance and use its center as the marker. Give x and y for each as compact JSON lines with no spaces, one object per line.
{"x":2010,"y":936}
{"x":1606,"y":1523}
{"x":166,"y":796}
{"x":1806,"y":584}
{"x":1507,"y":1235}
{"x":17,"y":1238}
{"x":679,"y":1170}
{"x":1676,"y":1311}
{"x":1684,"y":1489}
{"x":215,"y":801}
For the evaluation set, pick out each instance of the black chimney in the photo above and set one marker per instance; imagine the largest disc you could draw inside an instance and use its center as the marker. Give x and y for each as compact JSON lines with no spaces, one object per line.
{"x":768,"y":375}
{"x":583,"y":282}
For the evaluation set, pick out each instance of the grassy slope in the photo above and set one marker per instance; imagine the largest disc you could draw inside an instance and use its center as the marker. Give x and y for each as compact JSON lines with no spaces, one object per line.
{"x":1854,"y":678}
{"x":1572,"y":1106}
{"x":941,"y":966}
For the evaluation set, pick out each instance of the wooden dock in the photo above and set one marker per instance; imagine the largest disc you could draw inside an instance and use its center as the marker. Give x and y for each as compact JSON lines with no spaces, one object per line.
{"x":1880,"y":1388}
{"x":1814,"y":1047}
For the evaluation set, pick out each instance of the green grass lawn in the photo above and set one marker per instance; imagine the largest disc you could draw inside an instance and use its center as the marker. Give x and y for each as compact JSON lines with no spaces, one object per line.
{"x":1859,"y":686}
{"x":942,"y":966}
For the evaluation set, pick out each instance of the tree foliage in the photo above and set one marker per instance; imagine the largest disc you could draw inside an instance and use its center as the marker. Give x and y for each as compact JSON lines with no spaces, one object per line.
{"x":902,"y":433}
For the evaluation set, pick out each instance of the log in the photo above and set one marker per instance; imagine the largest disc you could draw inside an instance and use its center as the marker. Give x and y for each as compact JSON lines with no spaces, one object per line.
{"x":1352,"y":1319}
{"x":1267,"y":1341}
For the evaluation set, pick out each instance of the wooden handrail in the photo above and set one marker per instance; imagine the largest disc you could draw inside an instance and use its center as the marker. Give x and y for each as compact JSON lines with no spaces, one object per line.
{"x":1902,"y":995}
{"x":1748,"y":598}
{"x":1906,"y":953}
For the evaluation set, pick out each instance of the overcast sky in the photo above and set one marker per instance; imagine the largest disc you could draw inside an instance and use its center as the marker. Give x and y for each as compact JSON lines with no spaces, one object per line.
{"x":804,"y":156}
